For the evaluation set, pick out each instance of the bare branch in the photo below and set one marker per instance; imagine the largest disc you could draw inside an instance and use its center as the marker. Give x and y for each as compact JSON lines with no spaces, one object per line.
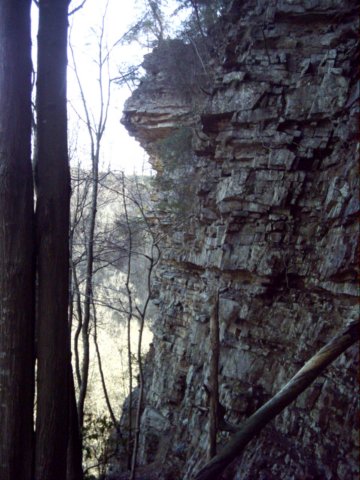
{"x":76,"y":9}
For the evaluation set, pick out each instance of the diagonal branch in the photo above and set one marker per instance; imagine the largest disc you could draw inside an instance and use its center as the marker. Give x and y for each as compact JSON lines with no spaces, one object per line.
{"x":76,"y":9}
{"x":254,"y":424}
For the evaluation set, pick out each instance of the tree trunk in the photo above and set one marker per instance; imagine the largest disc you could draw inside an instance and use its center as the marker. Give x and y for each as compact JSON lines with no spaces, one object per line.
{"x":101,"y":372}
{"x":129,"y":318}
{"x":74,"y":453}
{"x":96,"y":131}
{"x":17,"y":272}
{"x":52,"y":227}
{"x":85,"y":329}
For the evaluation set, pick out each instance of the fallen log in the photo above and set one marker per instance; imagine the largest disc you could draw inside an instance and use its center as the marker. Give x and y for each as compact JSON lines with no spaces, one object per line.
{"x":303,"y":378}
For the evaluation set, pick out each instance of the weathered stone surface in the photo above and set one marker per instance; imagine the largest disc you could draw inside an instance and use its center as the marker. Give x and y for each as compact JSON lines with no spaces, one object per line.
{"x":272,"y":225}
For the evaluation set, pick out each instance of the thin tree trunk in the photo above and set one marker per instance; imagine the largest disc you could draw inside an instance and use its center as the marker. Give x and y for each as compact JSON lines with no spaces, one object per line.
{"x":52,"y":224}
{"x":79,"y":324}
{"x":153,"y":260}
{"x":96,"y":132}
{"x":198,"y":21}
{"x":254,"y":424}
{"x":101,"y":371}
{"x":129,"y":433}
{"x":129,"y":318}
{"x":88,"y":286}
{"x":214,"y":378}
{"x":17,"y":266}
{"x":74,"y":453}
{"x":140,"y":401}
{"x":138,"y":410}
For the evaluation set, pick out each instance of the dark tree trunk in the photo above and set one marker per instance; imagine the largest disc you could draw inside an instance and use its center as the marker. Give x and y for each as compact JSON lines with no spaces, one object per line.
{"x":17,"y":273}
{"x":52,"y":227}
{"x":74,"y":454}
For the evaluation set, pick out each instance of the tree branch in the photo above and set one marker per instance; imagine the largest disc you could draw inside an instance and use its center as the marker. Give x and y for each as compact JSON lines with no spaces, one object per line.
{"x":76,"y":8}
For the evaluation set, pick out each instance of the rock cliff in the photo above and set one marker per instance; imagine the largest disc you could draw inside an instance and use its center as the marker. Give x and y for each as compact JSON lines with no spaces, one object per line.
{"x":257,"y":192}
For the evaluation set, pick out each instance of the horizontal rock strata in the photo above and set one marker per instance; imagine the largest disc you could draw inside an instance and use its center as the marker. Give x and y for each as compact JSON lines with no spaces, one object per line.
{"x":262,"y":213}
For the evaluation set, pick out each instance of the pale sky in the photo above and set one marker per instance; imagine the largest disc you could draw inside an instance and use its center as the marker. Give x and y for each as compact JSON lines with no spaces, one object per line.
{"x":119,"y":150}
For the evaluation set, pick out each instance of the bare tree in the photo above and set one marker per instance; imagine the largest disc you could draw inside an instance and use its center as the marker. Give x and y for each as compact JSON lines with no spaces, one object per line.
{"x":153,"y":258}
{"x":140,"y":253}
{"x":101,"y":371}
{"x":96,"y":129}
{"x":129,"y":316}
{"x":151,"y":254}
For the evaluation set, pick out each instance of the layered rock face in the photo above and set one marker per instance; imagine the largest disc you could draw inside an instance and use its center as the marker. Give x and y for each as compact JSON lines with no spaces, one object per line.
{"x":269,"y":227}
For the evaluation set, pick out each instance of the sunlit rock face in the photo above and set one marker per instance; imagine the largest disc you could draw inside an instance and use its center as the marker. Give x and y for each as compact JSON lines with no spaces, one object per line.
{"x":270,"y":222}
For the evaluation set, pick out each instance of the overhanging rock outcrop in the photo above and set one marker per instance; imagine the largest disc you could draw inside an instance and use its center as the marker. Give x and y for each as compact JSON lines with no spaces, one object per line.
{"x":272,"y":227}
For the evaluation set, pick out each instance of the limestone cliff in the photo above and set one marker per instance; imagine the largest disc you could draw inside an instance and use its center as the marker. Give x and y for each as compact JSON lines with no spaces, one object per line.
{"x":263,"y":211}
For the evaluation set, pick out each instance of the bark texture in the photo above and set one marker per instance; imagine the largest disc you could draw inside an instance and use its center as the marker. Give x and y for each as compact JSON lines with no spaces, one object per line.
{"x":52,"y":228}
{"x":17,"y":273}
